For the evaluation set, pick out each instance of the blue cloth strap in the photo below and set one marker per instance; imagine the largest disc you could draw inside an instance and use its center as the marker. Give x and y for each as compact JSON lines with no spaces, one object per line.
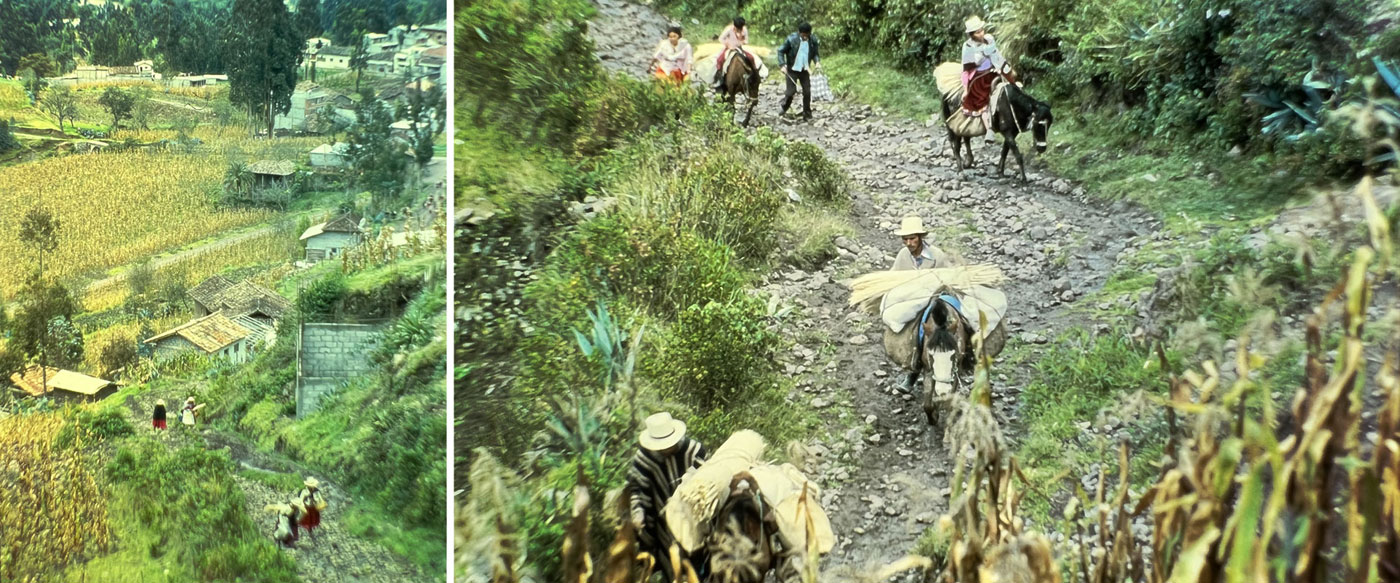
{"x":952,"y":300}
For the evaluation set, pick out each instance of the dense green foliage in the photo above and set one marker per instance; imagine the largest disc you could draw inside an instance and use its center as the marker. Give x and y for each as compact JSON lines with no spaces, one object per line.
{"x":1267,"y":77}
{"x":525,"y":66}
{"x":180,"y":36}
{"x":106,"y":423}
{"x":8,"y":141}
{"x":376,"y":157}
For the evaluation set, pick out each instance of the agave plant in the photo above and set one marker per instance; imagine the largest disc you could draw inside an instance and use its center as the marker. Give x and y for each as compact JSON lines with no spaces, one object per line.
{"x":1295,"y":119}
{"x":607,"y":341}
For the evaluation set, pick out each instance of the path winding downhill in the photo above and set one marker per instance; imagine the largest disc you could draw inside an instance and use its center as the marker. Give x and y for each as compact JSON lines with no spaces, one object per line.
{"x":335,"y":555}
{"x":885,"y":474}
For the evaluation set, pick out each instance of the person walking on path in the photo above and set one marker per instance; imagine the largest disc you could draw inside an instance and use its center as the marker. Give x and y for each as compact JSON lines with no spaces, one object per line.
{"x":664,"y":457}
{"x":158,"y":416}
{"x":797,"y":57}
{"x":310,"y":498}
{"x":189,"y":412}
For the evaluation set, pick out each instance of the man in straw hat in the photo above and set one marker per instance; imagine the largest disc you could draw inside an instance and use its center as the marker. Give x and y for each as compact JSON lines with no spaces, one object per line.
{"x":665,"y":455}
{"x":982,"y":63}
{"x":916,"y":254}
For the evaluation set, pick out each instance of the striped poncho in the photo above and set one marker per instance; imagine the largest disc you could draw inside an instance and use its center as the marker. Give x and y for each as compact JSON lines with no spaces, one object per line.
{"x":652,"y":479}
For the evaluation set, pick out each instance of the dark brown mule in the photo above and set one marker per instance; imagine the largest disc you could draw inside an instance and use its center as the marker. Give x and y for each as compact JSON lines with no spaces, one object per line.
{"x":947,"y":352}
{"x":740,"y":78}
{"x":1016,"y":112}
{"x":741,"y":549}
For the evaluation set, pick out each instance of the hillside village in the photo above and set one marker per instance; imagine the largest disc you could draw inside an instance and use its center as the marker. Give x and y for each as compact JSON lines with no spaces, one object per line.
{"x":232,"y":288}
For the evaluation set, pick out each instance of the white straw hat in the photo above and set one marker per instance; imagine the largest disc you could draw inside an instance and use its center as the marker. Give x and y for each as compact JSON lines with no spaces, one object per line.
{"x":974,"y":24}
{"x":911,"y":226}
{"x":662,"y":432}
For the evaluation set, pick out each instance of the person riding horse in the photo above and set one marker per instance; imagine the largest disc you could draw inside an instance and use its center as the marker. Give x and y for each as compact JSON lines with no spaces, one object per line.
{"x":916,"y":254}
{"x":734,"y":37}
{"x":982,"y":64}
{"x":673,"y":57}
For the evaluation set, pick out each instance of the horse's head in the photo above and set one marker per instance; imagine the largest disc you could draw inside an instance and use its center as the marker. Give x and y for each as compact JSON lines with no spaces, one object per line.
{"x":942,"y":348}
{"x":739,"y":549}
{"x":1041,"y":118}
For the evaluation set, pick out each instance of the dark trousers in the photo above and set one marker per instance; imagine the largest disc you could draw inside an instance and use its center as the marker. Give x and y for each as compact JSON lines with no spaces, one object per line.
{"x":793,"y":77}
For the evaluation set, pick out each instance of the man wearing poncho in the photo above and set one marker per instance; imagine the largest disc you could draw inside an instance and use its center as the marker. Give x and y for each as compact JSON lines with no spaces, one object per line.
{"x":696,"y":513}
{"x":666,"y":454}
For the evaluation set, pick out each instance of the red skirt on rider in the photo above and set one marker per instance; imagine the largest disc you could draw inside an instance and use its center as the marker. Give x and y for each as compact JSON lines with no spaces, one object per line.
{"x":979,"y":92}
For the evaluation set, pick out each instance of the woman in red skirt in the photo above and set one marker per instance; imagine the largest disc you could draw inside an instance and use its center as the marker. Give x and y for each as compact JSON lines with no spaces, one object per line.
{"x":982,"y":63}
{"x":313,"y":502}
{"x":158,"y":417}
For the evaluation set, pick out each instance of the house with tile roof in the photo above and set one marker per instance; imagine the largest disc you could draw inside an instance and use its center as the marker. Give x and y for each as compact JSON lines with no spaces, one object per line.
{"x":215,"y":335}
{"x":60,"y":384}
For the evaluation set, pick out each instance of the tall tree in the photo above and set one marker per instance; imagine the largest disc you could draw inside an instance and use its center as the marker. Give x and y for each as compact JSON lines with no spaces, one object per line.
{"x":347,"y":20}
{"x":264,"y":54}
{"x":61,"y":103}
{"x":34,"y":27}
{"x":118,"y":103}
{"x":43,"y":327}
{"x":359,"y":58}
{"x":427,"y":108}
{"x":41,"y":301}
{"x":375,"y":153}
{"x":39,"y":229}
{"x":308,"y":19}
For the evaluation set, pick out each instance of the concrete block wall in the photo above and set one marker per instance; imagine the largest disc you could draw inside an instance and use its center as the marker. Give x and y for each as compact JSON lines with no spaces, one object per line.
{"x":330,"y":355}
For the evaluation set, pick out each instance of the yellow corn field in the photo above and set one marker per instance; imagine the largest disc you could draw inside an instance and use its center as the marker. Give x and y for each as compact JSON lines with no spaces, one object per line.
{"x":115,"y":208}
{"x":277,"y":246}
{"x":51,"y":510}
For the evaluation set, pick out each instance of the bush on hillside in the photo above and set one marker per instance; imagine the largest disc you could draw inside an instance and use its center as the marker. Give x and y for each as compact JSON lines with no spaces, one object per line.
{"x":818,"y":178}
{"x":718,"y":356}
{"x":723,"y":198}
{"x":322,"y":298}
{"x":8,"y":141}
{"x":623,"y":107}
{"x":99,"y":425}
{"x":526,"y":66}
{"x":655,"y":266}
{"x":218,"y":541}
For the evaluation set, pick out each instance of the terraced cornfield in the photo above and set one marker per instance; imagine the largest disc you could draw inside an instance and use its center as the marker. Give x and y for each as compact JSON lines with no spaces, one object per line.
{"x":115,"y":208}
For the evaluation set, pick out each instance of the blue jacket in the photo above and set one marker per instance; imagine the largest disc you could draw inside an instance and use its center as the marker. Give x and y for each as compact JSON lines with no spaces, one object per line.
{"x":788,"y":52}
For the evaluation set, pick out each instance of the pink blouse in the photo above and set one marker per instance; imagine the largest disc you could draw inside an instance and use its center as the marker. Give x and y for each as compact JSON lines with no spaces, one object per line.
{"x":732,"y":39}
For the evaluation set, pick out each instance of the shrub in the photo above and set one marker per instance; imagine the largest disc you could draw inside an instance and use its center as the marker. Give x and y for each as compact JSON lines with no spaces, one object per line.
{"x":818,"y":178}
{"x":718,"y":356}
{"x":623,"y":107}
{"x":322,"y":298}
{"x":725,"y":199}
{"x":218,"y":541}
{"x":103,"y":424}
{"x":141,"y":278}
{"x":116,"y":353}
{"x":659,"y":268}
{"x":7,"y":138}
